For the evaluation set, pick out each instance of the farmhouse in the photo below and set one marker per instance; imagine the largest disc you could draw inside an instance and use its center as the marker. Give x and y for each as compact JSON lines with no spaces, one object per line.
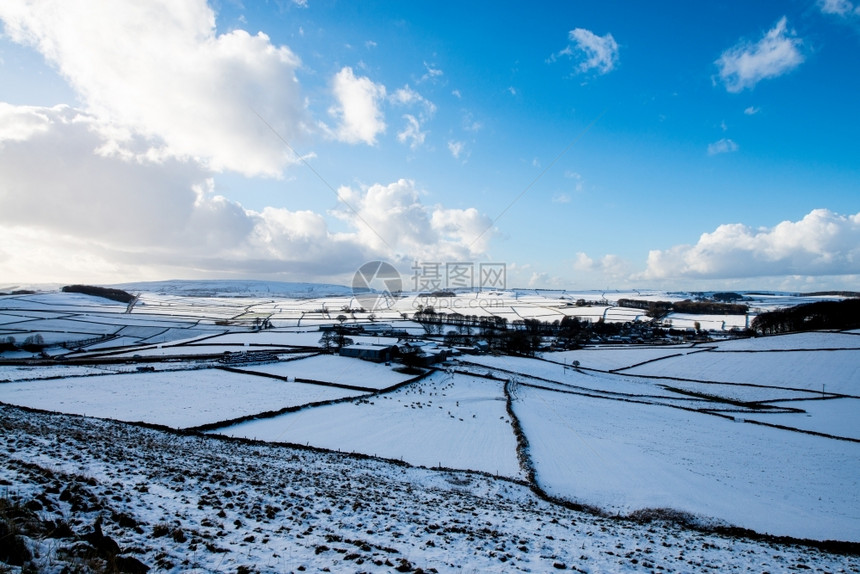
{"x":368,"y":351}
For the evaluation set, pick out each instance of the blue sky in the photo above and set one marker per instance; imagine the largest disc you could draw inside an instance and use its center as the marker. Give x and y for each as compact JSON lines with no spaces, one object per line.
{"x":585,"y":145}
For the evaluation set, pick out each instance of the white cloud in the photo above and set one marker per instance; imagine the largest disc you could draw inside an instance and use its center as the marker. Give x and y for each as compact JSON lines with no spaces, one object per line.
{"x":392,"y":219}
{"x":358,"y":110}
{"x":745,"y":64}
{"x":609,"y":268}
{"x":457,"y":148}
{"x":20,"y":123}
{"x":752,"y":110}
{"x":561,"y":198}
{"x":598,"y":53}
{"x":539,"y":280}
{"x":579,"y":184}
{"x":724,"y":145}
{"x":159,"y":70}
{"x":431,"y":74}
{"x":406,"y":96}
{"x":822,"y":243}
{"x":839,"y":7}
{"x":411,"y":132}
{"x":470,"y":124}
{"x":69,"y":210}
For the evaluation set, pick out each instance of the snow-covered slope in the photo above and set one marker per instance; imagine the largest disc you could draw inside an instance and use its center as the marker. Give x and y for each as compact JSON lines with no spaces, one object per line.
{"x":189,"y":503}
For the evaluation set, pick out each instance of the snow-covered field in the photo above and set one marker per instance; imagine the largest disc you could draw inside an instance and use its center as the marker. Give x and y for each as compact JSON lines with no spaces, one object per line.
{"x":199,"y":504}
{"x":836,"y":371}
{"x":629,"y":456}
{"x":336,"y":370}
{"x":449,"y":421}
{"x":178,"y":399}
{"x":758,"y":433}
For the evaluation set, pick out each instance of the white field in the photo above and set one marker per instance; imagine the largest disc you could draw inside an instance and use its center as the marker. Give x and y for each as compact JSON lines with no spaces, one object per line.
{"x":12,"y":373}
{"x":458,"y":422}
{"x":625,"y":457}
{"x":707,"y":322}
{"x":178,"y":399}
{"x":334,"y":369}
{"x":608,"y":358}
{"x":838,"y":371}
{"x":837,"y":417}
{"x":742,"y":392}
{"x":616,"y":454}
{"x":794,"y":341}
{"x":321,"y":507}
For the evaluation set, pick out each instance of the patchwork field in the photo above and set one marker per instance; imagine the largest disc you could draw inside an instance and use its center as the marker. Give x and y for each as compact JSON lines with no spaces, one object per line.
{"x":761,"y":433}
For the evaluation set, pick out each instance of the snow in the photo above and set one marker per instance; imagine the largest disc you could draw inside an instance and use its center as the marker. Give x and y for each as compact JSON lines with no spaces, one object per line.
{"x":626,"y":456}
{"x":273,"y":337}
{"x":741,"y":392}
{"x":335,"y":369}
{"x":178,"y":399}
{"x":608,"y":358}
{"x":707,"y":322}
{"x":220,"y":506}
{"x":456,"y":422}
{"x":810,"y":341}
{"x":64,"y":325}
{"x":837,"y":417}
{"x":838,"y":371}
{"x":616,"y":441}
{"x":9,"y":373}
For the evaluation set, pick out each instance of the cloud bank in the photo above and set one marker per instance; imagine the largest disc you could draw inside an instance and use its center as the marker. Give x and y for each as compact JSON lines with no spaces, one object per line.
{"x":822,"y":243}
{"x":67,"y":198}
{"x":189,"y":92}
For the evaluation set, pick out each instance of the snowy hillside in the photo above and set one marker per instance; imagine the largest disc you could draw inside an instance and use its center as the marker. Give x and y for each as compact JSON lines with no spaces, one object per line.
{"x":543,"y":462}
{"x":188,"y":503}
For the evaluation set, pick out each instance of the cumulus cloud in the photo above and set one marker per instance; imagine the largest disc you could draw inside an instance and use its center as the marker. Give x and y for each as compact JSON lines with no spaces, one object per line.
{"x":598,"y":53}
{"x":724,"y":145}
{"x":822,"y":243}
{"x":751,"y":110}
{"x":358,"y":109}
{"x":160,"y":71}
{"x":70,"y":208}
{"x":610,"y":267}
{"x":393,"y":219}
{"x":745,"y":64}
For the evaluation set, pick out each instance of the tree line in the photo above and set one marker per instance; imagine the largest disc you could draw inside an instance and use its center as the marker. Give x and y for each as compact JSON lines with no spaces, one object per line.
{"x":658,"y":309}
{"x":844,"y":314}
{"x":106,"y":292}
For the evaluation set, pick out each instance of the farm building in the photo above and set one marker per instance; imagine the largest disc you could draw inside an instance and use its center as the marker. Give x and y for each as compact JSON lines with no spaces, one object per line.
{"x":368,"y":351}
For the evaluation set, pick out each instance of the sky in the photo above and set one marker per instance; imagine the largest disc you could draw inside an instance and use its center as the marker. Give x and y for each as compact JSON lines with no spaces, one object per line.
{"x":580,"y":145}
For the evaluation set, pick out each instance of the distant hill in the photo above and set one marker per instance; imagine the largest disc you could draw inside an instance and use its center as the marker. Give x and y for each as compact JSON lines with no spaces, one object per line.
{"x":238,"y":288}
